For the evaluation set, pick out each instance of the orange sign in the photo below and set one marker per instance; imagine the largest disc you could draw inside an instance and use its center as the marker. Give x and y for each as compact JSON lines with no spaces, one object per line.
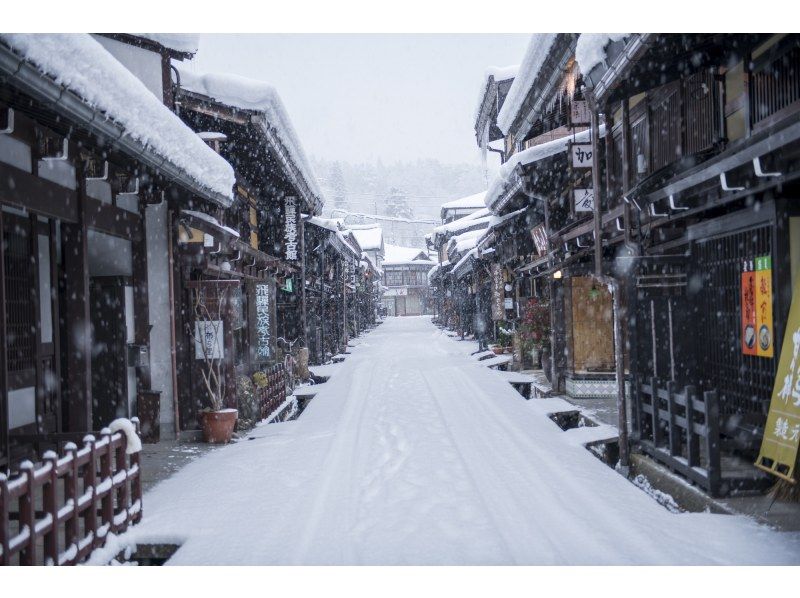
{"x":749,"y":309}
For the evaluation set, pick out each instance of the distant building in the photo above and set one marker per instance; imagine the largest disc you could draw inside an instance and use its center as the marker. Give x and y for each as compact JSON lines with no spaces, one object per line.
{"x":405,"y":275}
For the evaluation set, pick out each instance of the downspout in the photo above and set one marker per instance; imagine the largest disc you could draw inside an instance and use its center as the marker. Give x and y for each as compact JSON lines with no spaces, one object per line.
{"x":173,"y":337}
{"x":614,"y":287}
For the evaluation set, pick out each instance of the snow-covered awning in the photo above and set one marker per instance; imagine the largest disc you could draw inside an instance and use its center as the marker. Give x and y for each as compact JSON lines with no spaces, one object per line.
{"x":591,"y":49}
{"x":99,"y":93}
{"x":261,"y":98}
{"x":186,"y":44}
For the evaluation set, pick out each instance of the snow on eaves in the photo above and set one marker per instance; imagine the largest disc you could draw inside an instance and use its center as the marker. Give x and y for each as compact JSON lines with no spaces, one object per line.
{"x":502,"y":73}
{"x":590,"y":49}
{"x":84,"y":67}
{"x":474,"y":219}
{"x":185,"y":43}
{"x":250,"y":94}
{"x":475,"y":200}
{"x":535,"y":55}
{"x":396,"y":255}
{"x":528,"y":156}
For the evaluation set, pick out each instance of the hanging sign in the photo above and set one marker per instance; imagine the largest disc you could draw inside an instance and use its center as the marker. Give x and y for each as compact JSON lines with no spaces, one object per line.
{"x":764,"y":328}
{"x":779,"y":447}
{"x":498,"y":306}
{"x":748,"y":293}
{"x":584,"y":200}
{"x":581,"y":155}
{"x":290,"y":227}
{"x":263,"y":306}
{"x":579,"y":113}
{"x":539,"y":235}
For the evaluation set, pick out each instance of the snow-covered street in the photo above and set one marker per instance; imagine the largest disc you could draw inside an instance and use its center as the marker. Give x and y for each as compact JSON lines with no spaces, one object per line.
{"x":413,"y":453}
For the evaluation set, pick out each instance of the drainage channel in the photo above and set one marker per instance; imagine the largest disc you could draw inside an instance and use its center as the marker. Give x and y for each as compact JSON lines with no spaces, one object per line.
{"x":147,"y":555}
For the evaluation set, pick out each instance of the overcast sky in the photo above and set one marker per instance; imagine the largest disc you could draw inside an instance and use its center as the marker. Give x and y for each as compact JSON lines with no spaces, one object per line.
{"x":362,"y":97}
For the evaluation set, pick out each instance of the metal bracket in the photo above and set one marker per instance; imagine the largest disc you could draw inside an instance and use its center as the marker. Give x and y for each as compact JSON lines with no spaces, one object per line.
{"x":619,"y":226}
{"x":724,"y":182}
{"x":759,"y":172}
{"x":10,"y":127}
{"x":672,"y":205}
{"x":653,"y":211}
{"x":100,"y":178}
{"x":578,"y":243}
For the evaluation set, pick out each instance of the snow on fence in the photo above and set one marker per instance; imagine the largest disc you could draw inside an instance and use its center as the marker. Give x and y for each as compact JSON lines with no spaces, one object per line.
{"x":273,"y":395}
{"x":59,"y":512}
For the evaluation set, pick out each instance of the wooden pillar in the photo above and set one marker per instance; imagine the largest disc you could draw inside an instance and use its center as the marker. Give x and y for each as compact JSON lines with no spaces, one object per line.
{"x":78,"y":341}
{"x":3,"y":357}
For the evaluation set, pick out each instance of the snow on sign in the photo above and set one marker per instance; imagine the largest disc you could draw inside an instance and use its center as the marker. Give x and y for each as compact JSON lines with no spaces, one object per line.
{"x":208,"y":335}
{"x":779,"y":446}
{"x":262,"y":321}
{"x":584,"y":200}
{"x":581,"y":154}
{"x":290,"y":227}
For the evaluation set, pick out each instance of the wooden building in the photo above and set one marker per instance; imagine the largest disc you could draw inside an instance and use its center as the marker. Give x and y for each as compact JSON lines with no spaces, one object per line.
{"x":246,"y":261}
{"x":700,"y":175}
{"x":405,"y":276}
{"x":86,"y":166}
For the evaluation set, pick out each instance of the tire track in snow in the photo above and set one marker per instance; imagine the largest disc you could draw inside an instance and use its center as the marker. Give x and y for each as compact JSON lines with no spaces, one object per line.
{"x":467,"y":470}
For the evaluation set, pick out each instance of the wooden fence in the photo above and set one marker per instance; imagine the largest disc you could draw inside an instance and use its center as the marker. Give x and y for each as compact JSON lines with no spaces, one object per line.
{"x":681,"y":430}
{"x":273,"y":395}
{"x":58,"y":512}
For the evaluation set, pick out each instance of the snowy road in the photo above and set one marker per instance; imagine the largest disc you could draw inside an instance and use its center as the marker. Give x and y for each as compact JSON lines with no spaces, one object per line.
{"x":413,"y":453}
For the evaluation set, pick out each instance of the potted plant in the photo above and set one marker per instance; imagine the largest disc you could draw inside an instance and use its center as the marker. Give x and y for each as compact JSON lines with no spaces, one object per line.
{"x":217,"y":421}
{"x":504,"y":340}
{"x":535,"y":331}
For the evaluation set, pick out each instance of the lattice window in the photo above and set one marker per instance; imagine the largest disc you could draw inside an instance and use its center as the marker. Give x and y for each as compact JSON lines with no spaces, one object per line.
{"x":20,"y":320}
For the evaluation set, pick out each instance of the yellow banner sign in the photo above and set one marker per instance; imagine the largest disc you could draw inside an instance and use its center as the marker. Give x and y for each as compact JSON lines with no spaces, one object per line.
{"x":779,"y":447}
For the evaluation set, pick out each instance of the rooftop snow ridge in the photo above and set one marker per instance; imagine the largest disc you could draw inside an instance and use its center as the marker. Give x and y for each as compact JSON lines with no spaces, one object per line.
{"x":535,"y":55}
{"x":251,"y":94}
{"x":85,"y":68}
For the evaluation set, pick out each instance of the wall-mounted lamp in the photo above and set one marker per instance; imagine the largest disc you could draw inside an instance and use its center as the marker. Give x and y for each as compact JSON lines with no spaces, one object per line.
{"x":557,"y":274}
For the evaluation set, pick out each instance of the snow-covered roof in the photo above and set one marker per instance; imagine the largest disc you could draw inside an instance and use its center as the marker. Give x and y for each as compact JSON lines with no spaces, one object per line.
{"x":185,"y":43}
{"x":465,"y":241}
{"x":477,"y":217}
{"x":258,"y":96}
{"x":403,"y":256}
{"x":535,"y":55}
{"x":325,"y":223}
{"x":502,"y":73}
{"x":370,"y":238}
{"x":528,"y":156}
{"x":475,"y":200}
{"x":80,"y":64}
{"x":590,"y":49}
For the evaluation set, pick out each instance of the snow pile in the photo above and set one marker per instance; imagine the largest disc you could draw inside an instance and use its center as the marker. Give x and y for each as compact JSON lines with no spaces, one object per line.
{"x":369,"y":238}
{"x":529,"y":156}
{"x":535,"y":55}
{"x":126,"y":426}
{"x":87,"y":69}
{"x":250,"y":94}
{"x":590,"y":50}
{"x":186,"y":43}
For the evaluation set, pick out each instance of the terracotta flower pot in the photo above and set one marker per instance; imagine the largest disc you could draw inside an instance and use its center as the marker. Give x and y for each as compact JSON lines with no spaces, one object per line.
{"x":497,"y":350}
{"x":218,"y":425}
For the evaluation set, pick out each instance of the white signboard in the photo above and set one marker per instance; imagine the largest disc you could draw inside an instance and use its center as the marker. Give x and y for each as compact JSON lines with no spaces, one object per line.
{"x":290,"y":228}
{"x":581,"y":154}
{"x":579,"y":113}
{"x":508,"y":303}
{"x":209,"y":333}
{"x":584,"y":200}
{"x":262,"y":321}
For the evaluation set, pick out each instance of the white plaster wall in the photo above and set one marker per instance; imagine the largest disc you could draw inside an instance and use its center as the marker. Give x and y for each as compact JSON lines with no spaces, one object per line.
{"x":158,"y":295}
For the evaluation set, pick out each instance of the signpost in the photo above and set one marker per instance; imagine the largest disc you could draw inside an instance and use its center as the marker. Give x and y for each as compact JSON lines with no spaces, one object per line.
{"x":539,"y":235}
{"x":263,"y":313}
{"x":584,"y":200}
{"x":581,"y":155}
{"x":290,"y":228}
{"x":779,"y":446}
